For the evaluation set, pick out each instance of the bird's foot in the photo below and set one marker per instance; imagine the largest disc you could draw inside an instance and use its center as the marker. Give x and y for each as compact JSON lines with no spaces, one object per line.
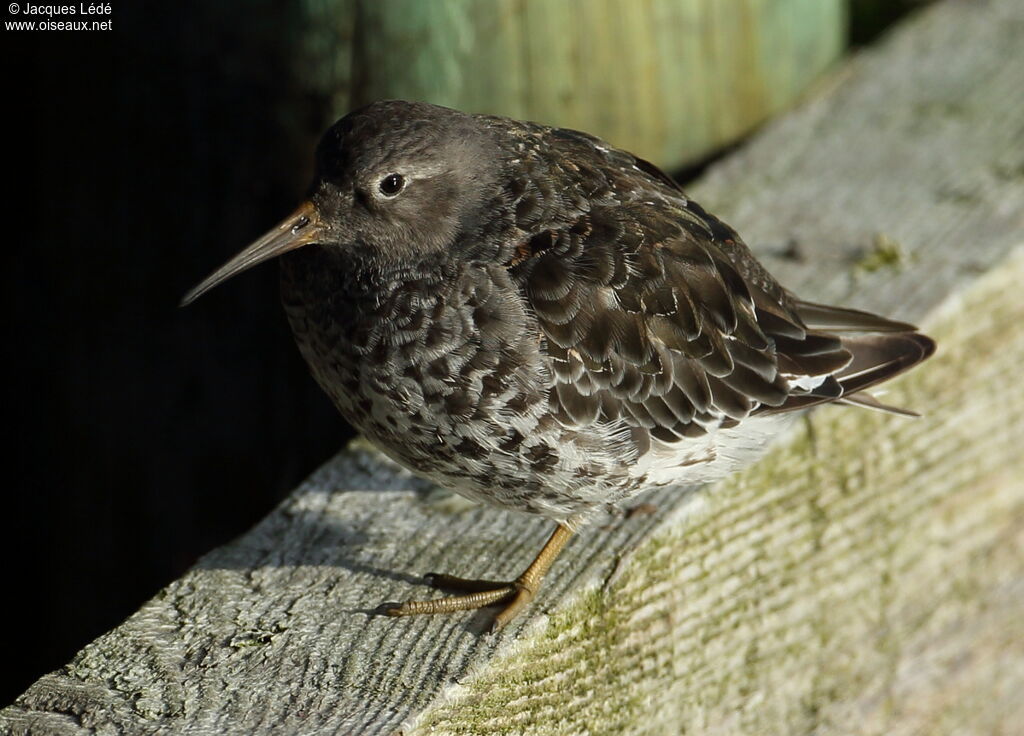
{"x":479,"y":594}
{"x":482,"y":593}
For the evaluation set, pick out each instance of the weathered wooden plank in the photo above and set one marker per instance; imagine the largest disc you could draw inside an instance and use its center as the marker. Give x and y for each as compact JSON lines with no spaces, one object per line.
{"x":862,"y":579}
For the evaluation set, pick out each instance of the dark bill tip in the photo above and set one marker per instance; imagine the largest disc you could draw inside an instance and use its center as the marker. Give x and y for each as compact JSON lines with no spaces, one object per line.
{"x":301,"y":227}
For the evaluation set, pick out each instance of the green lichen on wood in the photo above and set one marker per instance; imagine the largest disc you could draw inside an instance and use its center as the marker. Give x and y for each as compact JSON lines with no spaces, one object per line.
{"x":859,"y":580}
{"x":885,"y":253}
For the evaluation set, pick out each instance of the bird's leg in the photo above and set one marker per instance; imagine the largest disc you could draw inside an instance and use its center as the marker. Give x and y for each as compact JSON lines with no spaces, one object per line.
{"x":483,"y":593}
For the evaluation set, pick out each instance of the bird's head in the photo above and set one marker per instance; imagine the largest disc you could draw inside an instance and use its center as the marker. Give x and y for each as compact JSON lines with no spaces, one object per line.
{"x":395,"y":182}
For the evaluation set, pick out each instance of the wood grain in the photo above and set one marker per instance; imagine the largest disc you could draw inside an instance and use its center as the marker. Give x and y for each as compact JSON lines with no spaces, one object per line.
{"x":863,"y":579}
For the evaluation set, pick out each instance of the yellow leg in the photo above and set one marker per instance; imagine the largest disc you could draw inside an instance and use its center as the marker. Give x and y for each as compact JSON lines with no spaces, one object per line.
{"x":488,"y":592}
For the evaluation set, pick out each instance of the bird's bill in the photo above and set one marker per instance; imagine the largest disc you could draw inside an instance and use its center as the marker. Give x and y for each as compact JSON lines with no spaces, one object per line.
{"x":301,"y":227}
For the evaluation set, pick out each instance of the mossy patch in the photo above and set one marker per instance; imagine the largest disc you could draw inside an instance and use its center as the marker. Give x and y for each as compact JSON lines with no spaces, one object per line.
{"x":885,"y":253}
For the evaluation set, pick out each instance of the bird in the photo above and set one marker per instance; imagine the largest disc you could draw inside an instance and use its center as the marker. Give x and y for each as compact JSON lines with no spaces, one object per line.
{"x":539,"y":321}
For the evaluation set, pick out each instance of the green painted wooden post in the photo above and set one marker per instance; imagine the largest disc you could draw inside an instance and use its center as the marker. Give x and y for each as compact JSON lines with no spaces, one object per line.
{"x":668,"y":79}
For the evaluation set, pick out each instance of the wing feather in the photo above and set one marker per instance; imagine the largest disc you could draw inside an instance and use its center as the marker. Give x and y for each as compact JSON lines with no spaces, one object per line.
{"x":653,"y":312}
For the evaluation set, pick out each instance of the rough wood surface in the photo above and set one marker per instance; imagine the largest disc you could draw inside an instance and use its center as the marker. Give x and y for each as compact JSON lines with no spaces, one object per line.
{"x":863,"y":579}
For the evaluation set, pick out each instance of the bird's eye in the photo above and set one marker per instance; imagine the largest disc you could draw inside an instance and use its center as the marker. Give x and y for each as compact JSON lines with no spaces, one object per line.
{"x":392,"y":184}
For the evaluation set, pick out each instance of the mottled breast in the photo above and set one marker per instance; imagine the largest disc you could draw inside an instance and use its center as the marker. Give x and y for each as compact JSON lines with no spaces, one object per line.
{"x":442,"y":369}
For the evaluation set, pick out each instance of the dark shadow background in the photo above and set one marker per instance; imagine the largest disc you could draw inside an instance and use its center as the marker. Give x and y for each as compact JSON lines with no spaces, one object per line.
{"x":140,"y":435}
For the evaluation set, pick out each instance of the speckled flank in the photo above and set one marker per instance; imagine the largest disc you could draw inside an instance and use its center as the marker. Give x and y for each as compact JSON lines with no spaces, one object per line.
{"x":460,"y":398}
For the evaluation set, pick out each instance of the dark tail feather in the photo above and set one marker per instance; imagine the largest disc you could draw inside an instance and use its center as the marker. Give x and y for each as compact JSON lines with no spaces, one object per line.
{"x":876,"y":358}
{"x":827,"y":318}
{"x":867,"y":401}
